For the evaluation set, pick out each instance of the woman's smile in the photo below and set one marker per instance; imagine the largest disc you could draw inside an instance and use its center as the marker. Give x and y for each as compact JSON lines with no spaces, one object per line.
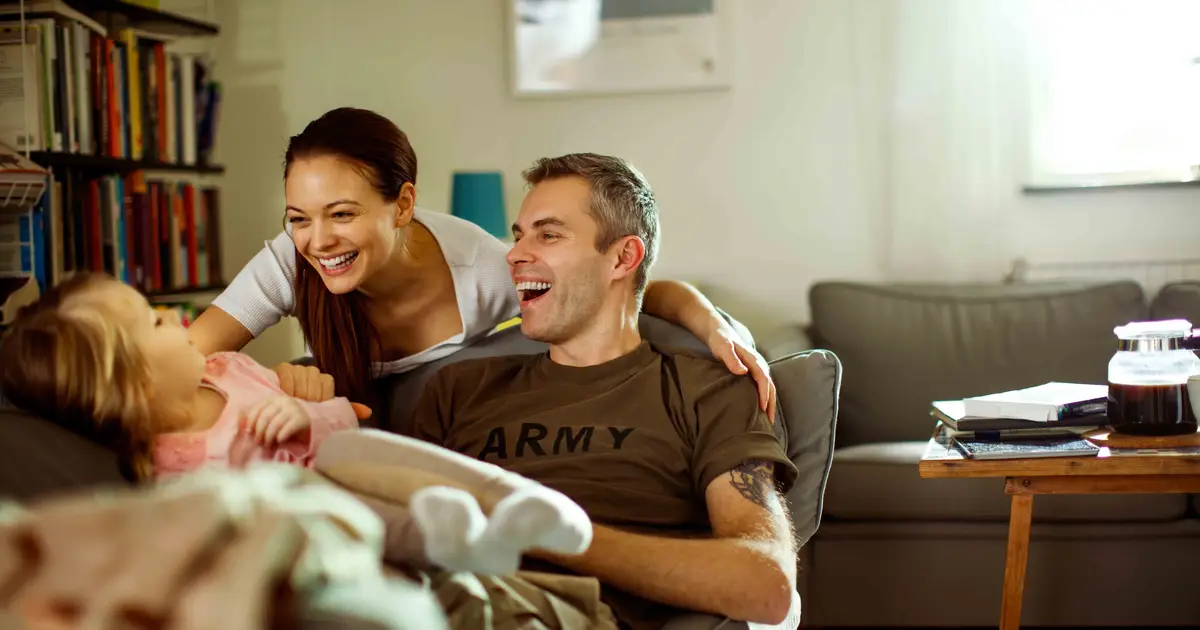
{"x":337,"y":265}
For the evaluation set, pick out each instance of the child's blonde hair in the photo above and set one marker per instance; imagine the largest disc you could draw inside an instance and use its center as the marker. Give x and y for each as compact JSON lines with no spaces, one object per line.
{"x":68,"y":359}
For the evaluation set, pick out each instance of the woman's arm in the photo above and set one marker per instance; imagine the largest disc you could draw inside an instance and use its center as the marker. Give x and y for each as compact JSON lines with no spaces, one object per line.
{"x":259,"y":296}
{"x":217,"y":331}
{"x":683,"y":304}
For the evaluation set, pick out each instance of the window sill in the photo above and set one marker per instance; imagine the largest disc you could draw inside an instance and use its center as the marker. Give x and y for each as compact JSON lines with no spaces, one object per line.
{"x":1035,"y":189}
{"x":1151,"y":178}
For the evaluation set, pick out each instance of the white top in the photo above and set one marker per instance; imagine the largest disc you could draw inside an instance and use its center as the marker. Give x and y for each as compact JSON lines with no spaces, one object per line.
{"x":264,"y":290}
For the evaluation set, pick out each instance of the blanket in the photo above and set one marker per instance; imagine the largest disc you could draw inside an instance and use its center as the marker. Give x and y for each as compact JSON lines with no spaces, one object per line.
{"x":271,"y":546}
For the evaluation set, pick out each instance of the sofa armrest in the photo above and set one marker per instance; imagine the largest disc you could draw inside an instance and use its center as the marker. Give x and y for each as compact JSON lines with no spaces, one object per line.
{"x":785,"y":341}
{"x":700,"y":621}
{"x":809,"y":384}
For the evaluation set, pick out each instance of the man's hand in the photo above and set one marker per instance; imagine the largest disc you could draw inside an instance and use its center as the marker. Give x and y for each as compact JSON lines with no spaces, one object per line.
{"x":747,"y":571}
{"x":729,"y":348}
{"x":305,"y":382}
{"x":276,"y":420}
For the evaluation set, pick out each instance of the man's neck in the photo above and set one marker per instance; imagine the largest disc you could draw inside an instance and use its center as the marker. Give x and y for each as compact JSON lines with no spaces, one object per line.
{"x":608,"y":338}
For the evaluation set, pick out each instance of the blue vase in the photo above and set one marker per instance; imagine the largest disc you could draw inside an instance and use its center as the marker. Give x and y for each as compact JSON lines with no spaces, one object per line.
{"x":479,"y":198}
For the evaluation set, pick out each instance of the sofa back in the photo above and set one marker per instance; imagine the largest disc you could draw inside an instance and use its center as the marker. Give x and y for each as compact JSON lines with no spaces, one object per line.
{"x":1178,"y":300}
{"x":904,"y":346}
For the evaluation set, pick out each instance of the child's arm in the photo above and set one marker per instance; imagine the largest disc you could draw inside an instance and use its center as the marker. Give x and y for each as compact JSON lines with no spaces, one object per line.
{"x":329,"y":417}
{"x":281,"y":419}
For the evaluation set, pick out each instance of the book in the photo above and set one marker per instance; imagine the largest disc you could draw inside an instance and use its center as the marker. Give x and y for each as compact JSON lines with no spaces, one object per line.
{"x":1179,"y":451}
{"x":1046,"y":402}
{"x":952,"y":413}
{"x":1001,"y":434}
{"x":1023,"y":448}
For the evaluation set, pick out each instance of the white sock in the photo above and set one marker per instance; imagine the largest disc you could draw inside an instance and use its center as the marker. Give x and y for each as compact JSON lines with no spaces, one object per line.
{"x":539,"y":517}
{"x":451,"y":523}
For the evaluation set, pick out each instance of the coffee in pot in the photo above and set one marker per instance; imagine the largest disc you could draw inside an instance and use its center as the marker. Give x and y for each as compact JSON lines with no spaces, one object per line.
{"x":1148,"y":378}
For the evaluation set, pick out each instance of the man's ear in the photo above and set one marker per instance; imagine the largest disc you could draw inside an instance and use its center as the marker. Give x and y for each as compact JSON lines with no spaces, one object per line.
{"x":406,"y":203}
{"x":630,"y":251}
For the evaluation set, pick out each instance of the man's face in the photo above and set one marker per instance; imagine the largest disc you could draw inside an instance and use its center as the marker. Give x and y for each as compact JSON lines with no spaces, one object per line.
{"x":561,"y":279}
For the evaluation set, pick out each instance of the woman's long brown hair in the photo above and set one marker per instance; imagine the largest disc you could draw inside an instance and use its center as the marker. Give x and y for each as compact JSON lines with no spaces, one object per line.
{"x":343,"y":340}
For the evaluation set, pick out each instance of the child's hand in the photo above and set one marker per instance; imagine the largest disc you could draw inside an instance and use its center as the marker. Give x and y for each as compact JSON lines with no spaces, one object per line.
{"x":276,"y":420}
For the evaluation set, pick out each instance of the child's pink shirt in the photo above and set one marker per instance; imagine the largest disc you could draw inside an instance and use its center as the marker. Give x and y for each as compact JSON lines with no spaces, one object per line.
{"x":244,"y":383}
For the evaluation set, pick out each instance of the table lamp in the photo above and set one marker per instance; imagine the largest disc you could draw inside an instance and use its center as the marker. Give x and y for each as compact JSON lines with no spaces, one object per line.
{"x":479,"y":198}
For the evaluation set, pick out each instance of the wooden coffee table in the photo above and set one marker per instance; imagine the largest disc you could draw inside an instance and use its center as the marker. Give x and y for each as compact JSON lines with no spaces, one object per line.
{"x":1103,"y":474}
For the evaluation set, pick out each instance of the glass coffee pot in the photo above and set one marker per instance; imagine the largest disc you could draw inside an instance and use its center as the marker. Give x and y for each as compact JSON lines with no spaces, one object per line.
{"x":1148,"y":378}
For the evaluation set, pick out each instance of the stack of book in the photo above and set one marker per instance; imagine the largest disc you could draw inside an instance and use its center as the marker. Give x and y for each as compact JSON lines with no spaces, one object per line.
{"x":72,"y":86}
{"x":1043,"y":421}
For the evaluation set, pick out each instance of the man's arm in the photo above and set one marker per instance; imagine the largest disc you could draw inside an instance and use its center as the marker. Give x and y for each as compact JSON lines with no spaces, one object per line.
{"x":747,"y":571}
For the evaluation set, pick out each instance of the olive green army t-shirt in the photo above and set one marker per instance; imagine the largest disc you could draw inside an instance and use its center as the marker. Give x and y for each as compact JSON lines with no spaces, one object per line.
{"x":634,"y":441}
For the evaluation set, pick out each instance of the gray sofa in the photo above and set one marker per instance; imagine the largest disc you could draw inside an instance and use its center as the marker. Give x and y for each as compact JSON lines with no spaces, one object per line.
{"x":898,"y":550}
{"x":38,"y":459}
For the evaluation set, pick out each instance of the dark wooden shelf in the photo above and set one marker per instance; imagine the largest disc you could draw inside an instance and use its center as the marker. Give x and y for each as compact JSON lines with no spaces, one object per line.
{"x":152,"y":20}
{"x":182,"y":294}
{"x":104,"y":163}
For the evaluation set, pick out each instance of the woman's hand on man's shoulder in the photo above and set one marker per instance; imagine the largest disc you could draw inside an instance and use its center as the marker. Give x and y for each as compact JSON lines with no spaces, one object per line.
{"x":305,"y":382}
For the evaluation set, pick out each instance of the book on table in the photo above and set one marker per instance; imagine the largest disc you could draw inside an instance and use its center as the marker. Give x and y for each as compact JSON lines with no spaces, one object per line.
{"x":1026,"y":447}
{"x":1043,"y":421}
{"x":1048,"y":402}
{"x":953,"y":414}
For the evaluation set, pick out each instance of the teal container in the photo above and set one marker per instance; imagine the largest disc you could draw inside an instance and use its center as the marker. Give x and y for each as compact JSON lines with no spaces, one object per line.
{"x":479,"y":198}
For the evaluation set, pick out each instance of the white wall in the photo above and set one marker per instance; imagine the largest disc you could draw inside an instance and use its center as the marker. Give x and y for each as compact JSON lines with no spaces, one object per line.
{"x":864,"y":139}
{"x":957,"y":122}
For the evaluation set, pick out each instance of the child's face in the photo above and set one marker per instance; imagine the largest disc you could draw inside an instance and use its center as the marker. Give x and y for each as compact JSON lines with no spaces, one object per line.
{"x":176,"y":366}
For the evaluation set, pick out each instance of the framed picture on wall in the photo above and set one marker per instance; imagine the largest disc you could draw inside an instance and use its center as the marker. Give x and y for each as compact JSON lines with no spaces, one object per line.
{"x":579,"y":47}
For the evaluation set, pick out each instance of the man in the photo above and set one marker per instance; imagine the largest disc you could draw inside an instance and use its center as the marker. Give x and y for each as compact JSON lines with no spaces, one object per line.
{"x":668,"y":453}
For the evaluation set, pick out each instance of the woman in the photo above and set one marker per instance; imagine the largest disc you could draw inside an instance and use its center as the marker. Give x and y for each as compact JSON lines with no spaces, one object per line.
{"x":380,"y":286}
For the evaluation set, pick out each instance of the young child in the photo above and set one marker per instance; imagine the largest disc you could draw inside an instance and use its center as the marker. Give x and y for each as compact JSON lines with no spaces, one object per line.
{"x":95,"y":357}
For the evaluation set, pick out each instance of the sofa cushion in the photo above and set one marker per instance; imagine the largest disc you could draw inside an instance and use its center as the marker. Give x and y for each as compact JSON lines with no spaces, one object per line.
{"x":1178,"y":300}
{"x":904,"y":346}
{"x":879,"y":482}
{"x":38,"y":458}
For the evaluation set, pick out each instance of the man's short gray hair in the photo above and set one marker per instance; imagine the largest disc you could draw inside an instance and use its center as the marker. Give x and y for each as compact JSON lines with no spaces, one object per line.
{"x":622,"y":202}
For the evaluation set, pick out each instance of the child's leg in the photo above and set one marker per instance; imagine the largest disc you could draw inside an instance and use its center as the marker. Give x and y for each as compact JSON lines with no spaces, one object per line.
{"x":428,"y":520}
{"x":523,"y":514}
{"x":487,"y":482}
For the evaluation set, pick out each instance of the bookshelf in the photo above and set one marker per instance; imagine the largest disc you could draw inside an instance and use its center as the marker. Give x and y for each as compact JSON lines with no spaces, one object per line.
{"x":120,"y":116}
{"x":112,"y":164}
{"x":146,"y":18}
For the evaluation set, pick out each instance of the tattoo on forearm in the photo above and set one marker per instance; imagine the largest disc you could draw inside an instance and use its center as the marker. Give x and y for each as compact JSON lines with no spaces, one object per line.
{"x":753,"y":479}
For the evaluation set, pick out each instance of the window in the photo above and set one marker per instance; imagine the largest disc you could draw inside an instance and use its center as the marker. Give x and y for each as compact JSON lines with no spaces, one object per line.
{"x":1115,"y":91}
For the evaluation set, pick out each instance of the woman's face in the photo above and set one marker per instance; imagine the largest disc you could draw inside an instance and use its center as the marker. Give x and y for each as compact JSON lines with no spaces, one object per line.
{"x":341,"y":225}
